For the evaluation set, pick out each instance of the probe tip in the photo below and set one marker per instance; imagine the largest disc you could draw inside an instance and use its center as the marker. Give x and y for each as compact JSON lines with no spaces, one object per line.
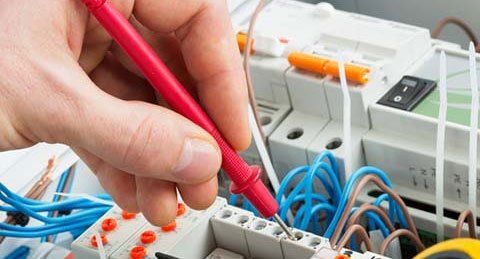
{"x":284,"y":227}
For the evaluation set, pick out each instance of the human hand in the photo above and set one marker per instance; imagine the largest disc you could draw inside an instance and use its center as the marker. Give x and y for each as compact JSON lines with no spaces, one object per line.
{"x":63,"y":80}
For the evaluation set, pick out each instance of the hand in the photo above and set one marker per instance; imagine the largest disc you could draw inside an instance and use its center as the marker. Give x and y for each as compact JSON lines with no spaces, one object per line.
{"x":63,"y":80}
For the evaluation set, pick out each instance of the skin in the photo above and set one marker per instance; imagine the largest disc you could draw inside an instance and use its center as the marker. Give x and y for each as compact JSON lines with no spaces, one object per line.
{"x":63,"y":80}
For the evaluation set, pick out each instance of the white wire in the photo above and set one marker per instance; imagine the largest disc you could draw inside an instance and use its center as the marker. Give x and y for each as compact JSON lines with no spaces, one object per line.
{"x":262,"y":150}
{"x":347,"y":114}
{"x":440,"y":146}
{"x":86,"y":196}
{"x":101,"y":249}
{"x":472,"y":154}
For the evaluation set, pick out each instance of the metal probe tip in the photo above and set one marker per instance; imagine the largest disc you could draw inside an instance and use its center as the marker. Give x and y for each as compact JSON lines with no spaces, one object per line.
{"x":284,"y":227}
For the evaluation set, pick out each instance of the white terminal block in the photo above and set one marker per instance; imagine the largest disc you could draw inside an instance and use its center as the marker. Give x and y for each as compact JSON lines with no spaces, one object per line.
{"x":307,"y":93}
{"x":220,"y":253}
{"x":263,"y":238}
{"x":331,"y":139}
{"x":306,"y":245}
{"x":270,"y":116}
{"x":268,"y":79}
{"x":192,"y":237}
{"x":289,"y":142}
{"x":82,"y":246}
{"x":229,"y":225}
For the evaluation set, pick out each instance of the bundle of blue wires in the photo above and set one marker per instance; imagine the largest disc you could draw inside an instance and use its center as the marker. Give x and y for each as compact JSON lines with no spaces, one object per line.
{"x":332,"y":201}
{"x":84,"y":213}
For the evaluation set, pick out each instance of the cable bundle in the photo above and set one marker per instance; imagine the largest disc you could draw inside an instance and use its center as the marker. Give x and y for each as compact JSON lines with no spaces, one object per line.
{"x":85,"y":212}
{"x":342,"y":219}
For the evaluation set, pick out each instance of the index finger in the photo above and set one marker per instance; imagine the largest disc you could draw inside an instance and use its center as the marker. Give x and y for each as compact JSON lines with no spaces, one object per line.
{"x":211,"y":56}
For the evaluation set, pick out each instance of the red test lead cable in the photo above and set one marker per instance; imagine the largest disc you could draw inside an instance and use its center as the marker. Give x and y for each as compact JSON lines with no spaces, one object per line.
{"x":245,"y":178}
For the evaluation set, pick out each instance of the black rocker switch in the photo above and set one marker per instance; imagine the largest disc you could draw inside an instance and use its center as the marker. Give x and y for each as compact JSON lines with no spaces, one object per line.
{"x":407,"y":93}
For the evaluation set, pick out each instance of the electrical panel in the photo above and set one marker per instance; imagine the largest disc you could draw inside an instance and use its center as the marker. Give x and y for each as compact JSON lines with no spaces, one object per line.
{"x":221,"y":230}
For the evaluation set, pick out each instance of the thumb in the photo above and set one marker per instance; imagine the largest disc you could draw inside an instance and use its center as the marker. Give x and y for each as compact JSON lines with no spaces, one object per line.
{"x":144,"y":139}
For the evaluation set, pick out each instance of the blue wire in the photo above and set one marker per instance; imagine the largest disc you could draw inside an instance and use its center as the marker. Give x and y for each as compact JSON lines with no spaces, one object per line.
{"x":347,"y":190}
{"x":19,"y":252}
{"x":287,"y":180}
{"x":4,"y":226}
{"x":46,"y":232}
{"x":69,"y":204}
{"x":31,"y":213}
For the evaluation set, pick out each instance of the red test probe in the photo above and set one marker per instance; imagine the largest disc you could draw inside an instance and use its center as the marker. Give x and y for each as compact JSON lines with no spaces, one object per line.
{"x":245,"y":179}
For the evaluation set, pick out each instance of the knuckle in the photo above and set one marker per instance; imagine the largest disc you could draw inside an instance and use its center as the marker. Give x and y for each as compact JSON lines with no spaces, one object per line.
{"x":144,"y":140}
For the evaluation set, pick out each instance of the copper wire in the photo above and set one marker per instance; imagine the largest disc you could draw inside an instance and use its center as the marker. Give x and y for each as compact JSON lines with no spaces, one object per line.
{"x":37,"y":190}
{"x":351,"y":201}
{"x":355,"y":229}
{"x":355,"y":218}
{"x":246,"y":59}
{"x":460,"y":23}
{"x":402,"y":232}
{"x":468,"y":216}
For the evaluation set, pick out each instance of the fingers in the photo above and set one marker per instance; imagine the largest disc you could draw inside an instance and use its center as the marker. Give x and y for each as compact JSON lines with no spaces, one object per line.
{"x":211,"y":56}
{"x":157,"y":200}
{"x":147,"y":140}
{"x":120,"y":185}
{"x":116,"y":80}
{"x":199,"y":196}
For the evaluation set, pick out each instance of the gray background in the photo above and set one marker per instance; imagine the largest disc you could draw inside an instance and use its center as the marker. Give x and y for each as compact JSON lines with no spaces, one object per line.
{"x":425,"y":13}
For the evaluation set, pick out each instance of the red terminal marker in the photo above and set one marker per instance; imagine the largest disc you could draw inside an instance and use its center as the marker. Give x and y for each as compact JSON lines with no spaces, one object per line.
{"x":181,"y":209}
{"x":148,"y":237}
{"x":128,"y":215}
{"x":109,"y":224}
{"x":93,"y":240}
{"x":169,"y":227}
{"x":138,"y":252}
{"x":245,"y":178}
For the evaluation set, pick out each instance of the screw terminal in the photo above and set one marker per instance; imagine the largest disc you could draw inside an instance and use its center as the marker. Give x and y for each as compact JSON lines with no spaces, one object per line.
{"x":109,"y":224}
{"x":93,"y":240}
{"x":148,"y":237}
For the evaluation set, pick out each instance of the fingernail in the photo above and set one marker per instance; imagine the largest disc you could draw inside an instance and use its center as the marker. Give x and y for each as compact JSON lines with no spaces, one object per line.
{"x":199,"y":159}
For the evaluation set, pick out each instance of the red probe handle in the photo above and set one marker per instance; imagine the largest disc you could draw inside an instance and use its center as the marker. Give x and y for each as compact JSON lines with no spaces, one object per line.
{"x":245,"y":179}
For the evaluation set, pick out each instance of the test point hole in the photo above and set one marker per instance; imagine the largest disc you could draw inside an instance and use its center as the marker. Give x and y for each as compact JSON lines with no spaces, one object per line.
{"x":243,"y":219}
{"x":226,"y":214}
{"x":334,"y":144}
{"x":315,"y":242}
{"x":295,"y":133}
{"x":259,"y":225}
{"x":265,"y":120}
{"x":277,"y":231}
{"x":298,"y":235}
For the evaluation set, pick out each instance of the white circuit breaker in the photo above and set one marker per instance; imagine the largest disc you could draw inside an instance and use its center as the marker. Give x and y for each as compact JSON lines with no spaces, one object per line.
{"x":388,"y":49}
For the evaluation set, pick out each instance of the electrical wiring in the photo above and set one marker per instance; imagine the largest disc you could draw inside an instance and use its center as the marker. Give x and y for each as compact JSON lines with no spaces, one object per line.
{"x":64,"y":185}
{"x":440,"y":147}
{"x":402,"y":232}
{"x":49,"y":231}
{"x":466,"y":215}
{"x":311,"y":203}
{"x":460,"y":23}
{"x":246,"y":59}
{"x":358,"y":229}
{"x":368,"y":170}
{"x":342,"y":215}
{"x":365,"y":209}
{"x":86,"y":213}
{"x":37,"y":190}
{"x":19,"y":252}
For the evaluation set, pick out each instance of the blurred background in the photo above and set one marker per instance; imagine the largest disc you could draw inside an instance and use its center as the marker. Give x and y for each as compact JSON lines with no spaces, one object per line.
{"x":425,"y":13}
